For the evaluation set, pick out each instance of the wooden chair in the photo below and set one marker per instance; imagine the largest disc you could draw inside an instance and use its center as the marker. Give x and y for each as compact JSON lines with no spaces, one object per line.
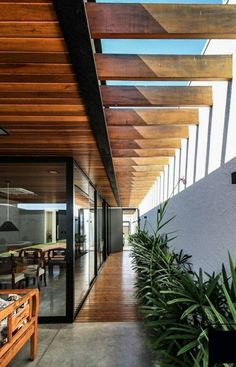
{"x":57,"y":256}
{"x":9,"y":276}
{"x":32,"y":260}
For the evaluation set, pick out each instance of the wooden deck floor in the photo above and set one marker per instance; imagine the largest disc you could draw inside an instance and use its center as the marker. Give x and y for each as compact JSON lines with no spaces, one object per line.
{"x":112,"y":296}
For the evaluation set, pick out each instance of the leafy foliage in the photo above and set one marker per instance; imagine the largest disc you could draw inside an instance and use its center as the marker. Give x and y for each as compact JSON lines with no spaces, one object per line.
{"x":177,"y":304}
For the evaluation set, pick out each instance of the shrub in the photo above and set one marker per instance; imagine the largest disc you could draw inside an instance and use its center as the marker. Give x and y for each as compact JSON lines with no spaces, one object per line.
{"x":177,"y":304}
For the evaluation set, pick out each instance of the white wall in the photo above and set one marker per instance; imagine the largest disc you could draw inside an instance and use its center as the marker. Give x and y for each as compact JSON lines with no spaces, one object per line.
{"x":206,"y":209}
{"x":216,"y":134}
{"x":205,"y":219}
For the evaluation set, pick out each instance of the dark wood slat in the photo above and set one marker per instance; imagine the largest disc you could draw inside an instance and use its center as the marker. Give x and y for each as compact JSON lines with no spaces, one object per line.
{"x":30,"y":29}
{"x":164,"y":67}
{"x":161,"y":21}
{"x":34,"y":57}
{"x":66,"y":78}
{"x":41,"y":110}
{"x":129,"y":96}
{"x":31,"y":68}
{"x":40,"y":101}
{"x":32,"y":44}
{"x":43,"y":120}
{"x":27,"y":12}
{"x":143,"y":117}
{"x":38,"y":87}
{"x":37,"y":94}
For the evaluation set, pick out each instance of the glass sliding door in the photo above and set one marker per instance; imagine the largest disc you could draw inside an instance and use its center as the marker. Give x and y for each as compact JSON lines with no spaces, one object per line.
{"x":91,"y":234}
{"x":82,"y":230}
{"x":100,"y":232}
{"x":84,"y":248}
{"x":33,"y":199}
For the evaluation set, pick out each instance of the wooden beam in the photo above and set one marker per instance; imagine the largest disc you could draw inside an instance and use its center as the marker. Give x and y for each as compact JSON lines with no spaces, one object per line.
{"x":73,"y":22}
{"x":130,"y":96}
{"x":122,"y":172}
{"x":147,"y":174}
{"x":163,"y":67}
{"x":143,"y":153}
{"x":143,"y":117}
{"x":146,"y":144}
{"x":161,"y":21}
{"x":149,"y":168}
{"x":147,"y":132}
{"x":140,"y":161}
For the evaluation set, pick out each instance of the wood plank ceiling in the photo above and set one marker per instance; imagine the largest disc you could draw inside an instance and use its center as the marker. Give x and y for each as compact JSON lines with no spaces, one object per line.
{"x":147,"y":124}
{"x":40,"y":103}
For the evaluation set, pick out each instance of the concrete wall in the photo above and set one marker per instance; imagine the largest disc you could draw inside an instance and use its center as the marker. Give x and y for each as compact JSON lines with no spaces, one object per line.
{"x":31,"y":224}
{"x":116,"y":229}
{"x":205,"y":219}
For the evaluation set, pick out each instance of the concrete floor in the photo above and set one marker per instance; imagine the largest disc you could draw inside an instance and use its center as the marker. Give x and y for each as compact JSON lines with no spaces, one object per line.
{"x":88,"y":345}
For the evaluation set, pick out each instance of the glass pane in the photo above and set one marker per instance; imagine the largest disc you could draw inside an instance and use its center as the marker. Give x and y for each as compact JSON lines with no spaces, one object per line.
{"x":82,"y":213}
{"x":91,"y":236}
{"x":33,"y":227}
{"x":84,"y":235}
{"x":100,"y":232}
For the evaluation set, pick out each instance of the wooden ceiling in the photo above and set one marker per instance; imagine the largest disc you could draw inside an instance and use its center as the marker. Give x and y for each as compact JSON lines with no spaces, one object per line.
{"x":46,"y":180}
{"x":47,"y":112}
{"x":40,"y":101}
{"x":146,"y":124}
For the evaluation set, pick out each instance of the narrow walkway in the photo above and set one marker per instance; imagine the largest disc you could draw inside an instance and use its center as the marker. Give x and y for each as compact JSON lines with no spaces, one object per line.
{"x":97,"y":344}
{"x":112,"y":296}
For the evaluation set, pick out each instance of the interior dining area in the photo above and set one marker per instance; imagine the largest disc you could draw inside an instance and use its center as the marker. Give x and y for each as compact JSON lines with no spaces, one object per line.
{"x":52,"y":233}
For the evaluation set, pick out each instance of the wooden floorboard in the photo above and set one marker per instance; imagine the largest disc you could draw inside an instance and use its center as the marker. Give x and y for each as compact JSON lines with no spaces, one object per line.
{"x":112,"y":296}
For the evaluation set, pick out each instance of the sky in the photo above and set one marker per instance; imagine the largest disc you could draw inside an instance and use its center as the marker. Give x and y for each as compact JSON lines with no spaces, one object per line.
{"x":161,"y":47}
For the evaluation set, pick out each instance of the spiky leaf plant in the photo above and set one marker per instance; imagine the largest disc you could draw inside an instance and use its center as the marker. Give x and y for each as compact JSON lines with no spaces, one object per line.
{"x":177,"y":304}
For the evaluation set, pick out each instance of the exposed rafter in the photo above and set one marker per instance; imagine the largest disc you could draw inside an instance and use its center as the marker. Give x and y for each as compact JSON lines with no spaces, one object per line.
{"x":109,"y":20}
{"x":164,"y":67}
{"x":143,"y":117}
{"x":130,"y":96}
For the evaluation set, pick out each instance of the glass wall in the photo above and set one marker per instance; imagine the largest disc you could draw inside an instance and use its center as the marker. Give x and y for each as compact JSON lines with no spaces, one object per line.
{"x":33,"y":228}
{"x":52,"y":221}
{"x":84,"y":219}
{"x":100,"y":231}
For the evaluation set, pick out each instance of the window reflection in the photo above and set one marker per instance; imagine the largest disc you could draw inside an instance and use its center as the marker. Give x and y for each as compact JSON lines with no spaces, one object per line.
{"x":84,"y":235}
{"x":36,"y":204}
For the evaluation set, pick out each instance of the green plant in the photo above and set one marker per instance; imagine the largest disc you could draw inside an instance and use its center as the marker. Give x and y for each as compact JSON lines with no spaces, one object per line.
{"x":177,"y":304}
